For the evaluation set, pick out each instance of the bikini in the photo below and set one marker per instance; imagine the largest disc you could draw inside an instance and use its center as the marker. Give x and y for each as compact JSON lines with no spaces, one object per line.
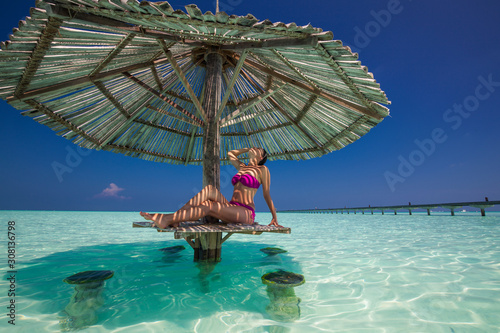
{"x":248,"y":181}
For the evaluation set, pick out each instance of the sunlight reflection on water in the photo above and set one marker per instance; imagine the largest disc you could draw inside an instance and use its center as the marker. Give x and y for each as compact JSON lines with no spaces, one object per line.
{"x":363,"y":272}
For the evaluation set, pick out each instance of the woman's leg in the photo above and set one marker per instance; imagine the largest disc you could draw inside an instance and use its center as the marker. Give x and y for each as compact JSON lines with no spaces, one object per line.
{"x":223,"y":211}
{"x":209,"y":192}
{"x":191,"y":211}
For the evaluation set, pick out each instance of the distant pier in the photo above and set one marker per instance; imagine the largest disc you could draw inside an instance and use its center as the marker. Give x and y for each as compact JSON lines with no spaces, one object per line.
{"x":452,"y":206}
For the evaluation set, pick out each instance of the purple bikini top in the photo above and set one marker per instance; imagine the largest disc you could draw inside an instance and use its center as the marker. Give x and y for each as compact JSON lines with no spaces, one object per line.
{"x":246,"y":179}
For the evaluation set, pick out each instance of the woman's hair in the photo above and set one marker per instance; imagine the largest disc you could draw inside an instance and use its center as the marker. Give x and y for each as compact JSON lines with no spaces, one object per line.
{"x":264,"y":157}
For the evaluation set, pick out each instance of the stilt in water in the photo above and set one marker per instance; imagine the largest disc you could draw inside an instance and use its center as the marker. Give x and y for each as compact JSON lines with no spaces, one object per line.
{"x":284,"y":304}
{"x":85,"y":301}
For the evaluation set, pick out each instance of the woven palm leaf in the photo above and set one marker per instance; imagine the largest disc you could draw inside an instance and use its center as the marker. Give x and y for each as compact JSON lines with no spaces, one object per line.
{"x":129,"y":77}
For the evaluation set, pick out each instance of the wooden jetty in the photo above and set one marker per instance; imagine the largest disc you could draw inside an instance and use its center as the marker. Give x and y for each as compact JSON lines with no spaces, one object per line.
{"x":206,"y":239}
{"x":451,"y":206}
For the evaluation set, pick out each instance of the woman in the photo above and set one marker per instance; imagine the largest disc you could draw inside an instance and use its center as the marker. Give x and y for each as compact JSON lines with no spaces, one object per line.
{"x":241,"y":208}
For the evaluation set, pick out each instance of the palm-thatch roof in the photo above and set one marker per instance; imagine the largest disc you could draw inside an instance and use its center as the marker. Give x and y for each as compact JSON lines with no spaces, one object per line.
{"x":129,"y":77}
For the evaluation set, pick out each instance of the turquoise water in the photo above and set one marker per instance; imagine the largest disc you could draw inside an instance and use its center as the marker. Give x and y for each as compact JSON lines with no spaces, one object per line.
{"x":364,"y":273}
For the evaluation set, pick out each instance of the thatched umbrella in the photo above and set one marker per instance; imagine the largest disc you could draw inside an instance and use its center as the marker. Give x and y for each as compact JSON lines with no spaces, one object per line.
{"x":165,"y":85}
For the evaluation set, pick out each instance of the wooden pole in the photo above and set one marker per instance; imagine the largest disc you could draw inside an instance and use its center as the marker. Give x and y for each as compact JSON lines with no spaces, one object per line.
{"x":209,"y":247}
{"x":211,"y":135}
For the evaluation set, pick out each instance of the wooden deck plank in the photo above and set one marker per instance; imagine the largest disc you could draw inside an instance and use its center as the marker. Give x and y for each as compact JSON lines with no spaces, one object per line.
{"x":199,"y":227}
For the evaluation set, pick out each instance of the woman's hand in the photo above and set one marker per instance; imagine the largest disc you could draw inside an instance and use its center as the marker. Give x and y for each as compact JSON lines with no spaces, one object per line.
{"x":274,"y":223}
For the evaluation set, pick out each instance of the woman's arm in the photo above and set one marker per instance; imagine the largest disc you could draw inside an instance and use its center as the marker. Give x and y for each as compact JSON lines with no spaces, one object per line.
{"x":266,"y":184}
{"x":233,"y":157}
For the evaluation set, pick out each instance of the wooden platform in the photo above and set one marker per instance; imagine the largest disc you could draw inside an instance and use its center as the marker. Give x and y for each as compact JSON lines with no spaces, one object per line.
{"x":198,"y":227}
{"x":451,"y":206}
{"x":206,"y":239}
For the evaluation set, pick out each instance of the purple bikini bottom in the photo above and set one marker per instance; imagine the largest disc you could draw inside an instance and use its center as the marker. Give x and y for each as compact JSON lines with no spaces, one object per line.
{"x":244,"y":206}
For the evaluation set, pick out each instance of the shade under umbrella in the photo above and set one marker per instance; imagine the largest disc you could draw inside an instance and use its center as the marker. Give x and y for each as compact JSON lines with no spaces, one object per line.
{"x":141,"y":79}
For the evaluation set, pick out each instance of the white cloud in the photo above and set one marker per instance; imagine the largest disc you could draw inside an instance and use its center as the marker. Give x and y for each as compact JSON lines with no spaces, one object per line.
{"x":111,"y":192}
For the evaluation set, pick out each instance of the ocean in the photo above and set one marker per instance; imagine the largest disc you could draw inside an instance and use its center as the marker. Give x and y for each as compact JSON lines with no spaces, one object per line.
{"x":363,"y":273}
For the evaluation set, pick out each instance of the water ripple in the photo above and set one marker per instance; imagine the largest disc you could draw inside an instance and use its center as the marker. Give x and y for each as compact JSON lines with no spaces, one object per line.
{"x":363,"y":274}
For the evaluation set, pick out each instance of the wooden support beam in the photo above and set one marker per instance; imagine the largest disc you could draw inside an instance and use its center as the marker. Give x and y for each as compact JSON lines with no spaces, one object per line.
{"x":269,"y":82}
{"x":246,"y":100}
{"x":272,"y":43}
{"x":297,"y":125}
{"x":335,"y":99}
{"x":82,"y":80}
{"x":172,"y":79}
{"x":231,"y":83}
{"x":226,"y":237}
{"x":257,"y":100}
{"x":54,"y":116}
{"x":137,"y":108}
{"x":295,"y":69}
{"x":285,"y":114}
{"x":111,"y":98}
{"x":176,"y":95}
{"x":183,"y":79}
{"x":63,"y":13}
{"x":123,"y":43}
{"x":189,"y":150}
{"x":190,"y":241}
{"x":250,"y":116}
{"x":41,"y":48}
{"x":306,"y":108}
{"x":189,"y":147}
{"x":252,"y":81}
{"x":141,"y":151}
{"x":186,"y":119}
{"x":333,"y":140}
{"x":160,"y":127}
{"x":164,"y":98}
{"x":156,"y":77}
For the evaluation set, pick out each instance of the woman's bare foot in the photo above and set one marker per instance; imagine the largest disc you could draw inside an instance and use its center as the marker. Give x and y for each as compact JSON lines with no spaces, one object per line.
{"x":159,"y":220}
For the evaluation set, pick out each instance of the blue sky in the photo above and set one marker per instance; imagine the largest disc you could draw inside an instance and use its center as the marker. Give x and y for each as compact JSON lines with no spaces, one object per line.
{"x":437,"y":61}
